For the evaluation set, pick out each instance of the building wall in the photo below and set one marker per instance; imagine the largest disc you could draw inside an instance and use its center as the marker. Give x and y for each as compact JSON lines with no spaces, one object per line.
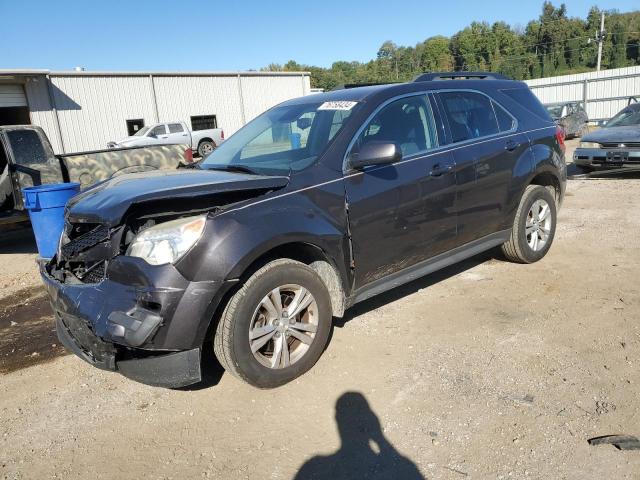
{"x":93,"y":108}
{"x":40,"y":109}
{"x":181,"y":97}
{"x":606,"y":92}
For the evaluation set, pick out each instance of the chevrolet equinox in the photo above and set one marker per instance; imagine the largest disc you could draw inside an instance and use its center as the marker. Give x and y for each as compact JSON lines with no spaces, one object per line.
{"x":317,"y":204}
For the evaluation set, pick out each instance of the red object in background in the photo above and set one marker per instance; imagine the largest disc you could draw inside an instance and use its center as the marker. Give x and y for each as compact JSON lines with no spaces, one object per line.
{"x":188,"y":155}
{"x":222,"y":134}
{"x":560,"y":137}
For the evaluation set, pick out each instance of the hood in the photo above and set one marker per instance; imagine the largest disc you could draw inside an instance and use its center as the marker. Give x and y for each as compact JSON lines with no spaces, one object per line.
{"x":107,"y":202}
{"x":127,"y":141}
{"x":614,"y":135}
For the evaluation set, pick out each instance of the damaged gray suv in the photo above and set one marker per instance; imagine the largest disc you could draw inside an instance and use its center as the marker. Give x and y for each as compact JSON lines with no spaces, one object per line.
{"x":317,"y":204}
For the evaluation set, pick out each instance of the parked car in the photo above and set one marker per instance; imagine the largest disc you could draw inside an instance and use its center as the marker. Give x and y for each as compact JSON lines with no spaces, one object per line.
{"x":317,"y":204}
{"x":27,"y":159}
{"x":571,"y":116}
{"x":202,"y":142}
{"x":615,"y":145}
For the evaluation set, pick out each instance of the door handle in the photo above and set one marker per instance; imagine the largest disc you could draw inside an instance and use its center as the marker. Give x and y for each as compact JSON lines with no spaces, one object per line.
{"x":184,"y":134}
{"x":511,"y":145}
{"x":438,"y":170}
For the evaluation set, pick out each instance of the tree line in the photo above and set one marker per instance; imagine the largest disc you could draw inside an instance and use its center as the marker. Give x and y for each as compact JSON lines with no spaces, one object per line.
{"x":554,"y":44}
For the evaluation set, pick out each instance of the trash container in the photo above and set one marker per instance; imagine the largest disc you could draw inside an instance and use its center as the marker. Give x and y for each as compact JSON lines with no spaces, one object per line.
{"x":45,"y":204}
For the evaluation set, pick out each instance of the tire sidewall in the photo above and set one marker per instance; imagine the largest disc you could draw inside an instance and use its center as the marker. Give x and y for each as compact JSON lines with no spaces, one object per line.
{"x":201,"y":148}
{"x":539,"y":193}
{"x":250,"y":368}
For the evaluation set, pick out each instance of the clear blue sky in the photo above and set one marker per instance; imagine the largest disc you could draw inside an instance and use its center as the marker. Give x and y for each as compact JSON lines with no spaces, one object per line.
{"x":235,"y":35}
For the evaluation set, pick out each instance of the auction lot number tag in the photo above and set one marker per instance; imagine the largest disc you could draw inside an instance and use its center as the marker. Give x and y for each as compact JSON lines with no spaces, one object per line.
{"x":337,"y":105}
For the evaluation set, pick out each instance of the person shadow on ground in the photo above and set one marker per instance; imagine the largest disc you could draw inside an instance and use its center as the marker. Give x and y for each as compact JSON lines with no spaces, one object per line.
{"x":364,"y":452}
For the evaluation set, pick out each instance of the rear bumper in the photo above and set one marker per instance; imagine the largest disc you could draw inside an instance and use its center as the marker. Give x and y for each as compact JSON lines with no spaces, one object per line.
{"x":603,"y":158}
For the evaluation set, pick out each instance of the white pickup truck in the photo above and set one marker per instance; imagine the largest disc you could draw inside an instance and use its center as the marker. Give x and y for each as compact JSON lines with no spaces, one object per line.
{"x":202,"y":142}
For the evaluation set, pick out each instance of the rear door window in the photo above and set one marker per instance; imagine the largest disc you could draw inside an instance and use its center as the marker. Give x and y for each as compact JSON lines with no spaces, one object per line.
{"x":175,"y":128}
{"x":470,"y":115}
{"x":505,"y":121}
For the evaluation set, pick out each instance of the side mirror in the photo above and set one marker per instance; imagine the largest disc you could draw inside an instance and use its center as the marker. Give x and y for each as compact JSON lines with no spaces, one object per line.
{"x":152,"y":135}
{"x":303,"y":123}
{"x":375,"y":153}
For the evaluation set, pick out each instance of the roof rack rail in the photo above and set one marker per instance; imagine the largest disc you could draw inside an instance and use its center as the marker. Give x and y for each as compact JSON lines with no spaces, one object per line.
{"x":433,"y":76}
{"x":365,"y":84}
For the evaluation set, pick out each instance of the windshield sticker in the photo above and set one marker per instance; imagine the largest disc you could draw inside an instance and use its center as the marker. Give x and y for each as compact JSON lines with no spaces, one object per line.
{"x":337,"y":105}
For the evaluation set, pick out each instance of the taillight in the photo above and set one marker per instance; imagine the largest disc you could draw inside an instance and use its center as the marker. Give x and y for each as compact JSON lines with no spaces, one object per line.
{"x":222,"y":134}
{"x":560,"y":138}
{"x":188,"y":155}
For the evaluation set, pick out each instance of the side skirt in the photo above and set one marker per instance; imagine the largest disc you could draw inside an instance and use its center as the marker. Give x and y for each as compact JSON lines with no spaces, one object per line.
{"x":429,"y":266}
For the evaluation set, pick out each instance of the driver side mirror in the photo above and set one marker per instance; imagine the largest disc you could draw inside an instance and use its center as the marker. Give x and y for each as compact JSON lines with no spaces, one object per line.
{"x":375,"y":153}
{"x":303,"y":123}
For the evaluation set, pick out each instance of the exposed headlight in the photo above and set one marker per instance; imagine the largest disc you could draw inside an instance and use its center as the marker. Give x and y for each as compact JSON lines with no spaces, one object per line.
{"x":588,"y":145}
{"x":167,"y":242}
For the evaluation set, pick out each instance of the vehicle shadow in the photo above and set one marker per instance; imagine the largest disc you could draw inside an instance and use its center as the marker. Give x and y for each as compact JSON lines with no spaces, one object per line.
{"x":211,"y":370}
{"x":414,"y":286}
{"x":575,"y":173}
{"x":20,"y":240}
{"x":364,"y":450}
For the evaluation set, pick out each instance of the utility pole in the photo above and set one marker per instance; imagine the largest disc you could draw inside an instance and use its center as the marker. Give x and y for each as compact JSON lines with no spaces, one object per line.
{"x":600,"y":39}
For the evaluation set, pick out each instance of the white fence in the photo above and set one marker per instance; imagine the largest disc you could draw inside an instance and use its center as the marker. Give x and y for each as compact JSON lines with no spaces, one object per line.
{"x":604,"y":93}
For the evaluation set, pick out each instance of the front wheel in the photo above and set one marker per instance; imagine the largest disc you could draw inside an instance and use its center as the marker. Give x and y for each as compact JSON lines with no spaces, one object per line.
{"x":534,"y":226}
{"x":276,"y":325}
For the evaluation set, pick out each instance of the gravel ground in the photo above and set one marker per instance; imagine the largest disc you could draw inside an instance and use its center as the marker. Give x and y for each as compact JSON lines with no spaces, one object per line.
{"x":485,"y":370}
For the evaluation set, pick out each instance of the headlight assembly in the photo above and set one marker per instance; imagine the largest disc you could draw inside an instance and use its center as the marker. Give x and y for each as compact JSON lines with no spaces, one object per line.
{"x":167,"y":242}
{"x":588,"y":145}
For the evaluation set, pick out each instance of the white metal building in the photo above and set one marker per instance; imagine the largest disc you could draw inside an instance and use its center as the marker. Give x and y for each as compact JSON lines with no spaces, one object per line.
{"x":603,"y":93}
{"x":82,"y":111}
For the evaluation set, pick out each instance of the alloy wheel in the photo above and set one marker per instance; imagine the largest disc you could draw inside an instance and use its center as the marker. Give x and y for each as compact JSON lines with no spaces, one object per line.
{"x":283,"y":326}
{"x":538,"y":225}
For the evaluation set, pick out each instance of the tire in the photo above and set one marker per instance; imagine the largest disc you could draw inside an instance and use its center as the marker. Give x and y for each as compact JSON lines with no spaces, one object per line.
{"x":205,"y":147}
{"x":245,"y":312}
{"x":521,"y":246}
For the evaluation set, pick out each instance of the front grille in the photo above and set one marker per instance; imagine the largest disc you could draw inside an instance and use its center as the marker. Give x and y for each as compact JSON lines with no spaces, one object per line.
{"x":95,"y":275}
{"x":621,"y":145}
{"x":87,"y":240}
{"x":86,"y":253}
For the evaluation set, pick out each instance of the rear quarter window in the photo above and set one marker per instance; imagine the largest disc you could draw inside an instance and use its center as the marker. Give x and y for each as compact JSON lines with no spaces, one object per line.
{"x":528,"y":100}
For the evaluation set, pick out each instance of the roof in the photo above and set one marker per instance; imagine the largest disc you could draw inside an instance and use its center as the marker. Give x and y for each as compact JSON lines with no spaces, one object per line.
{"x":31,"y":72}
{"x":358,"y":94}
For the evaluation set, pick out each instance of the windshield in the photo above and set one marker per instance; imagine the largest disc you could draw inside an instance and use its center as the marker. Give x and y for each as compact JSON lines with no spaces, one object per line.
{"x":283,"y":139}
{"x":625,"y":118}
{"x":141,"y":132}
{"x":554,"y":110}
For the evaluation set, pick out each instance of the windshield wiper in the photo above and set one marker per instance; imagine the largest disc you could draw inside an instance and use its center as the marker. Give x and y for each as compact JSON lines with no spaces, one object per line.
{"x":231,"y":168}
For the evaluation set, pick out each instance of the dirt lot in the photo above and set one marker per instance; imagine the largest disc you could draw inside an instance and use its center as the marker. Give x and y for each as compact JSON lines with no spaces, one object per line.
{"x":485,"y":370}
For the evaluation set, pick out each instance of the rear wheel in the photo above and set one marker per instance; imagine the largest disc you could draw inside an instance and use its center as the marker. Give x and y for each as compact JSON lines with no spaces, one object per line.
{"x":205,"y":147}
{"x":534,"y":226}
{"x":276,"y":326}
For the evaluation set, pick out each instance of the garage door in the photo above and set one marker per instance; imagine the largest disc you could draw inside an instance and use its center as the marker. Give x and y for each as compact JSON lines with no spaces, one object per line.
{"x":12,"y":96}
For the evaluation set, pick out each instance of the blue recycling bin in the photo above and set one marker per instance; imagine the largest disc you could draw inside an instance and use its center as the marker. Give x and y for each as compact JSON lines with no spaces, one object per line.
{"x":45,"y":204}
{"x":296,"y":141}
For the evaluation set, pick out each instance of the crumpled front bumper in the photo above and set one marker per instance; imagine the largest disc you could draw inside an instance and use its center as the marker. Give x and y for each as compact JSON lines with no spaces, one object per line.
{"x":147,"y":322}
